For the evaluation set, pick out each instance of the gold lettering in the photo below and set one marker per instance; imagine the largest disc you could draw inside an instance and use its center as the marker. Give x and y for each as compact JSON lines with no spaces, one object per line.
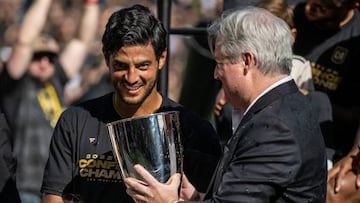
{"x":93,"y":173}
{"x":101,"y":164}
{"x":327,"y":84}
{"x":91,"y":163}
{"x":82,"y":163}
{"x":103,"y":174}
{"x":100,"y":173}
{"x":324,"y":77}
{"x":114,"y":174}
{"x":83,"y":172}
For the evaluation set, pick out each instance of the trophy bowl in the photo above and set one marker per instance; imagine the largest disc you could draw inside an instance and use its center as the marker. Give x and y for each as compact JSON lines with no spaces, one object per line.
{"x":152,"y":141}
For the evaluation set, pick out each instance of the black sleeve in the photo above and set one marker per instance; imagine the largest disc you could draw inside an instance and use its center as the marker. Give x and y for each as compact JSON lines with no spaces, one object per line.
{"x":59,"y":168}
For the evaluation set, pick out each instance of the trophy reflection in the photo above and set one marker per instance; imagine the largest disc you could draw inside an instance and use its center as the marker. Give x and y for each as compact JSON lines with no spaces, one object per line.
{"x":152,"y":141}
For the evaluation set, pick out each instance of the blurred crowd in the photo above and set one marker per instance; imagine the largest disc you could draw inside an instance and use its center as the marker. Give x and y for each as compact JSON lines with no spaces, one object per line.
{"x":64,"y":19}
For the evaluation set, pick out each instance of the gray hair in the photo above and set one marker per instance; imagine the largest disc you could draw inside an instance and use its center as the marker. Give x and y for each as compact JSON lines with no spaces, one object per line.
{"x":258,"y":31}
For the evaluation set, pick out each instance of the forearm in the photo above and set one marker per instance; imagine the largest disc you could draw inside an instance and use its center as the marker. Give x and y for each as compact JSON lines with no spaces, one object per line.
{"x":89,"y":23}
{"x":34,"y":21}
{"x":30,"y":29}
{"x":76,"y":51}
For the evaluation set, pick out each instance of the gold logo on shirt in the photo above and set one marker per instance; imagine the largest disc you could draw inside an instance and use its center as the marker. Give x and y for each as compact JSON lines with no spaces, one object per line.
{"x":339,"y":55}
{"x":92,"y":139}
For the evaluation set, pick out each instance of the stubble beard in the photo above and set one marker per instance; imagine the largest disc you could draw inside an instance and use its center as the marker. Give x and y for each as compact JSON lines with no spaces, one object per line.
{"x":142,"y":99}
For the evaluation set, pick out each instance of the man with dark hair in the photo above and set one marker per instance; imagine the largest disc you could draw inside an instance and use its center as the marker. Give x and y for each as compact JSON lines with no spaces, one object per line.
{"x":135,"y":49}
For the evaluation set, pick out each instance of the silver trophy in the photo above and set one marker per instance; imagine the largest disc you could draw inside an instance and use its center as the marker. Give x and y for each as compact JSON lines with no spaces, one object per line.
{"x":152,"y":141}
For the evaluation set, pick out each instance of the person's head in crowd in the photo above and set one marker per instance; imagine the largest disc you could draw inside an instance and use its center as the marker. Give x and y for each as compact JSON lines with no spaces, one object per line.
{"x":135,"y":47}
{"x":45,"y":51}
{"x":249,"y":39}
{"x":329,"y":14}
{"x":281,"y":9}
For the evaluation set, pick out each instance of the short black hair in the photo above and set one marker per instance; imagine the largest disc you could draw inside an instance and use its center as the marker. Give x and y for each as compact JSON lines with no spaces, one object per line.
{"x":134,"y":25}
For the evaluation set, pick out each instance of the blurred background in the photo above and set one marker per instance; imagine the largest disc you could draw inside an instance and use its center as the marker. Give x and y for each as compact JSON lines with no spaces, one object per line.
{"x":190,"y":67}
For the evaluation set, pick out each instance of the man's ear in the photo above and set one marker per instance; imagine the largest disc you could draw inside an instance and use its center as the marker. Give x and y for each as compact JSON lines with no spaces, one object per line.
{"x":162,"y":59}
{"x":248,"y":58}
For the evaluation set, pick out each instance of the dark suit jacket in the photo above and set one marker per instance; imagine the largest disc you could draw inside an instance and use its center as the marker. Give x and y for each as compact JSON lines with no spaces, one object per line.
{"x":277,"y":153}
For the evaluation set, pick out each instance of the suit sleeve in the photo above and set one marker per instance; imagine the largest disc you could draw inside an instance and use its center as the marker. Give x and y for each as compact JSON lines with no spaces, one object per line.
{"x":259,"y":164}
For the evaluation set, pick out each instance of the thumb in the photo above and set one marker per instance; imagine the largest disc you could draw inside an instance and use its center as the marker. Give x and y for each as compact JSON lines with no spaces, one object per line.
{"x":174,"y":180}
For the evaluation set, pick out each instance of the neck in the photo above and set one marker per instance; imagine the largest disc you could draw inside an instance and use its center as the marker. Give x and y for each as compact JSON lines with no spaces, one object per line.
{"x":265,"y":82}
{"x":348,"y":17}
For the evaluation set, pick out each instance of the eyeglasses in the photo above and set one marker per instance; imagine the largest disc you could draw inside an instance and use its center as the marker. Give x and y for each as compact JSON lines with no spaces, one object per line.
{"x":39,"y":55}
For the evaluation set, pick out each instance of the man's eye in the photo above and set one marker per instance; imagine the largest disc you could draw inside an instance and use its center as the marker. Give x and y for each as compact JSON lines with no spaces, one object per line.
{"x":120,"y":67}
{"x":143,"y":66}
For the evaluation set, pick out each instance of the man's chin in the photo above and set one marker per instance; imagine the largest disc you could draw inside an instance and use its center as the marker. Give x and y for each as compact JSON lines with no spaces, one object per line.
{"x":132,"y":101}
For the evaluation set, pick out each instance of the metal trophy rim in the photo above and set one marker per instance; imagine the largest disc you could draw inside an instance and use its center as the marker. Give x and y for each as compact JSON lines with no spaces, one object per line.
{"x":142,"y":116}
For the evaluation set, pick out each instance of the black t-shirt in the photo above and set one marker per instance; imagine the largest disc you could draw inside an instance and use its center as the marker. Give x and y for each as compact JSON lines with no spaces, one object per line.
{"x":81,"y":163}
